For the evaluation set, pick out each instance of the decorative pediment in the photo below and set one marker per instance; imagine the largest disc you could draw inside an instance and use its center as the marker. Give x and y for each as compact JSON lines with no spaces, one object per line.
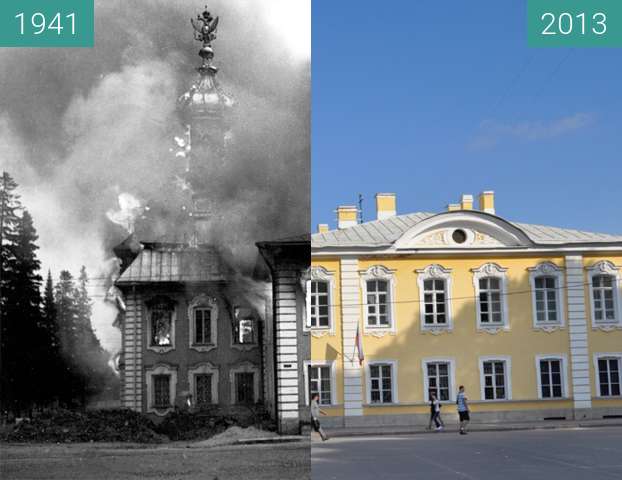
{"x":462,"y":230}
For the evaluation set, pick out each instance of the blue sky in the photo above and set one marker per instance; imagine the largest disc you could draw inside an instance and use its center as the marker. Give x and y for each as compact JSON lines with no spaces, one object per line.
{"x":433,"y":99}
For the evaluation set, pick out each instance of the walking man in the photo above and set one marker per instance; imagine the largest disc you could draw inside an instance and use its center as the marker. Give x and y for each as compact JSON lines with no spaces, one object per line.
{"x":315,"y":414}
{"x":463,"y":410}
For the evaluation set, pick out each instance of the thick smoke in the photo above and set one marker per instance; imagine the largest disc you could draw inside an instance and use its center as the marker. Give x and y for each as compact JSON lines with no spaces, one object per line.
{"x":78,"y":127}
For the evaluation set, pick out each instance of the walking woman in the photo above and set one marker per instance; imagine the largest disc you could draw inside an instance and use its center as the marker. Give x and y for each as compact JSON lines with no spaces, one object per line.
{"x":315,"y":414}
{"x":435,"y":412}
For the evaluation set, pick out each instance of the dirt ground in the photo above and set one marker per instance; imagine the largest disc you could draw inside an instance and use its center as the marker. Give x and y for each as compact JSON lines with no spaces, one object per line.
{"x":117,"y":462}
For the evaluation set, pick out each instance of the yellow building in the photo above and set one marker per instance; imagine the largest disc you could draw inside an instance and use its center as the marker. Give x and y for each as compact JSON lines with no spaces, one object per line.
{"x":528,"y":318}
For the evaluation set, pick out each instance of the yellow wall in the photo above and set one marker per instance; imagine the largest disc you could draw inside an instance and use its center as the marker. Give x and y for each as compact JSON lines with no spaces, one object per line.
{"x":465,"y":344}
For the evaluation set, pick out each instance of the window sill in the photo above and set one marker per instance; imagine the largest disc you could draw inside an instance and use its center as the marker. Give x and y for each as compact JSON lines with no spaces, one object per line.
{"x":244,"y":346}
{"x":387,"y":404}
{"x":606,"y":326}
{"x":436,"y":329}
{"x":493,"y":328}
{"x":203,"y":348}
{"x":379,"y":331}
{"x":161,"y":349}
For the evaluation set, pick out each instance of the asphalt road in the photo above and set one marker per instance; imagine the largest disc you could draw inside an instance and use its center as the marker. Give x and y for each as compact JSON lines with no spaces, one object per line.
{"x":97,"y":462}
{"x":577,"y":454}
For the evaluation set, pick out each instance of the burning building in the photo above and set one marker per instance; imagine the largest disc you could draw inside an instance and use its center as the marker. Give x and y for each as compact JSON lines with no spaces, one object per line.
{"x":197,"y":330}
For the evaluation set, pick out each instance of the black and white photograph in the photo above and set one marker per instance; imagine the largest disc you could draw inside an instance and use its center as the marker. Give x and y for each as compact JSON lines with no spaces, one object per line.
{"x":154,"y":214}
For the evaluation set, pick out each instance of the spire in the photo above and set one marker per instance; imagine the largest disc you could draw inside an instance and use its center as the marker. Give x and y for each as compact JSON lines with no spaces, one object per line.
{"x":204,"y":111}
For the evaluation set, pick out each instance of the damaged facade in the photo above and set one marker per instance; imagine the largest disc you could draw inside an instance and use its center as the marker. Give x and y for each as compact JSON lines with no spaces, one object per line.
{"x":197,"y":333}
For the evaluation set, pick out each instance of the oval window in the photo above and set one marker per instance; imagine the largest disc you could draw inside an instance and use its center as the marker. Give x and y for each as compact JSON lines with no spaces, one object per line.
{"x":459,"y":236}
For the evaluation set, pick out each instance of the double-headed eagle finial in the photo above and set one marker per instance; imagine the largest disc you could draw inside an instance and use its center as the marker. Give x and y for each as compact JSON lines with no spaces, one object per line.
{"x":205,"y":27}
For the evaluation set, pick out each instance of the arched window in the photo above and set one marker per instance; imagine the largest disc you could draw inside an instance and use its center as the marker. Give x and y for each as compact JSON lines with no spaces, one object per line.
{"x":161,"y":324}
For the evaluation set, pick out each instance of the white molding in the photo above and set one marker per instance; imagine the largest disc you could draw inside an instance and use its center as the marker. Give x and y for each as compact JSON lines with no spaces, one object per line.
{"x":379,"y":272}
{"x":435,"y":272}
{"x":244,"y":367}
{"x":507,"y":371}
{"x":605,"y":267}
{"x":452,"y":377}
{"x":161,"y":348}
{"x":394,"y":397}
{"x":203,"y":301}
{"x":563,"y":359}
{"x":504,"y":232}
{"x":161,"y":369}
{"x":601,"y":356}
{"x":389,"y":250}
{"x":548,"y":269}
{"x":491,"y":270}
{"x":319,"y":273}
{"x":333,"y":379}
{"x":204,"y":368}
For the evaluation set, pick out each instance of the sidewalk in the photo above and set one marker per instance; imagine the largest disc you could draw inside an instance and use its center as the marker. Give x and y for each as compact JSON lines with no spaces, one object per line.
{"x":473,"y":427}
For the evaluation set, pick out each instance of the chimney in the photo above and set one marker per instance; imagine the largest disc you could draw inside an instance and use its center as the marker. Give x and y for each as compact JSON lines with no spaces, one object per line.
{"x":452,"y":207}
{"x":346,"y":216}
{"x":386,"y":205}
{"x":467,"y":202}
{"x":322,"y":228}
{"x":487,"y":202}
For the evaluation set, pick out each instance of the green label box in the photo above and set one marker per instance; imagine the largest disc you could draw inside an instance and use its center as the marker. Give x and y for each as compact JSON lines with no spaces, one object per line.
{"x":47,"y":23}
{"x":574,"y":23}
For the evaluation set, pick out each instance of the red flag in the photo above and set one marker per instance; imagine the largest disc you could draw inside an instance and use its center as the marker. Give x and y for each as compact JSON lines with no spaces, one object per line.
{"x":359,"y":345}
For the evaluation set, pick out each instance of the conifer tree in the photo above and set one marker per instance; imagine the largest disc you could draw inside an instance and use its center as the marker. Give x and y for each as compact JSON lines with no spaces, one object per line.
{"x":9,"y":208}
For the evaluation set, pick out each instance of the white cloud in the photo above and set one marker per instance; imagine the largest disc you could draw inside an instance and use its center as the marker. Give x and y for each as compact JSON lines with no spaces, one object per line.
{"x":492,"y":132}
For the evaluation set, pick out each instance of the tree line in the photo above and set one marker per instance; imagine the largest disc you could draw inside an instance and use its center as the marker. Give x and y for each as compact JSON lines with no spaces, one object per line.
{"x":49,"y":353}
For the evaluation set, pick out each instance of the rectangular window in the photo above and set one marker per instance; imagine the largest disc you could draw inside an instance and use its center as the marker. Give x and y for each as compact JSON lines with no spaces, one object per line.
{"x":161,"y":392}
{"x":202,"y":326}
{"x":378,"y":303}
{"x":161,"y":322}
{"x":319,"y":304}
{"x":603,"y":294}
{"x":494,"y":380}
{"x":609,"y":377}
{"x":546,"y":299}
{"x":203,"y":389}
{"x":438,"y":379}
{"x":244,"y":387}
{"x":490,"y":301}
{"x":319,"y":383}
{"x":244,"y":333}
{"x":551,"y":378}
{"x":434,"y":302}
{"x":381,"y":383}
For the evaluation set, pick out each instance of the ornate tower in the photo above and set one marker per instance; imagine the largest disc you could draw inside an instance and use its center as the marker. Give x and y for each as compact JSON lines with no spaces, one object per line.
{"x":204,"y":110}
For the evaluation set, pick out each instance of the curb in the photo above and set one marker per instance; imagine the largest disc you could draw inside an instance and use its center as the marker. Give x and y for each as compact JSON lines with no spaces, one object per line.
{"x":514,"y":428}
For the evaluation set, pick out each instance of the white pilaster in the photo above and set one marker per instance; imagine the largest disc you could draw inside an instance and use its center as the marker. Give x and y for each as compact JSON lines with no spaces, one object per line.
{"x":577,"y":328}
{"x":285,"y":323}
{"x":132,"y":350}
{"x":350,"y":317}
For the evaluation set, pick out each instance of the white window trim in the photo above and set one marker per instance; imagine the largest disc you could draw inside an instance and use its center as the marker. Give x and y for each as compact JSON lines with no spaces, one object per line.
{"x":393,"y":364}
{"x":161,"y":369}
{"x":563,"y":358}
{"x":333,"y":379}
{"x":548,"y":269}
{"x":507,"y":370}
{"x":244,"y":367}
{"x":161,"y":348}
{"x":435,"y":272}
{"x":452,"y":377}
{"x":605,"y":267}
{"x":495,"y":271}
{"x":320,"y":274}
{"x":379,"y":272}
{"x":602,"y":356}
{"x":203,"y":301}
{"x":203,"y":368}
